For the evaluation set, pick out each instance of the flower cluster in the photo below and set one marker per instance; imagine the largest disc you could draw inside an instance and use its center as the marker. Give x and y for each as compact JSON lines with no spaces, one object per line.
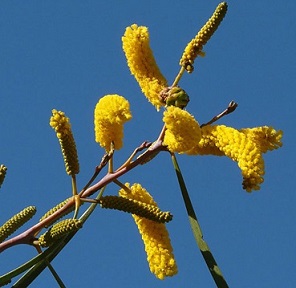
{"x":181,"y":133}
{"x":243,"y":146}
{"x":182,"y":130}
{"x":111,"y":112}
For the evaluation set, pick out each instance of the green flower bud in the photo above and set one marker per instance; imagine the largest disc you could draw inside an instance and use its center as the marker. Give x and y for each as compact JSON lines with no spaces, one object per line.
{"x":174,"y":96}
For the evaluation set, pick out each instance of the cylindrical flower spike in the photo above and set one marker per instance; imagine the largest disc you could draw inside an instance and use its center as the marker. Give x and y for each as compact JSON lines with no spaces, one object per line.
{"x":266,"y":137}
{"x":3,"y":170}
{"x":61,"y":124}
{"x":16,"y":222}
{"x":155,"y":236}
{"x":182,"y":130}
{"x":141,"y":62}
{"x":221,"y":140}
{"x":195,"y":46}
{"x":111,"y":112}
{"x":56,"y":208}
{"x":138,"y":208}
{"x":58,"y":231}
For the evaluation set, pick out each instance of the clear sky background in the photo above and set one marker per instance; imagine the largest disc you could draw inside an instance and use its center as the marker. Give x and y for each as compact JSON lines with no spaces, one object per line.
{"x":67,"y":54}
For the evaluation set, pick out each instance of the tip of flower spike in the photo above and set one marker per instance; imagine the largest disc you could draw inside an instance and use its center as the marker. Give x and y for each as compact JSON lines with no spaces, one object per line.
{"x":195,"y":46}
{"x":265,"y":137}
{"x":3,"y":170}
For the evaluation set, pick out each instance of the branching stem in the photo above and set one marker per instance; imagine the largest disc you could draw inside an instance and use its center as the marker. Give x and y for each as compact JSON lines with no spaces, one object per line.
{"x":27,"y":237}
{"x":231,"y":107}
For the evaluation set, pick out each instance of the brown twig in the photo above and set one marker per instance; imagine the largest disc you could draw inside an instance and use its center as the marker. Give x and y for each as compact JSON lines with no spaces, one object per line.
{"x":231,"y":107}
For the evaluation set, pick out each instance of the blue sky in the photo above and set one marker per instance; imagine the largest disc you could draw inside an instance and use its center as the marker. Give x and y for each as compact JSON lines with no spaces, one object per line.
{"x":67,"y":54}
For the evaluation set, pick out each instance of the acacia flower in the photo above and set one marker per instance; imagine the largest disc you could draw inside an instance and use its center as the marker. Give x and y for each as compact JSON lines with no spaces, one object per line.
{"x":242,"y":147}
{"x":61,"y":125}
{"x":111,"y":112}
{"x":266,"y":138}
{"x":182,"y":130}
{"x":141,"y":62}
{"x":155,"y":236}
{"x":195,"y":46}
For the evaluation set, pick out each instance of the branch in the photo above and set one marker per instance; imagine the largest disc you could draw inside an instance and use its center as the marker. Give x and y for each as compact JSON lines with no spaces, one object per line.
{"x":28,"y":236}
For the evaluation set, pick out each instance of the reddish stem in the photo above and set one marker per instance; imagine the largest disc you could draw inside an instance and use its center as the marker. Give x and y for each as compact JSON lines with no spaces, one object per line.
{"x":28,"y":236}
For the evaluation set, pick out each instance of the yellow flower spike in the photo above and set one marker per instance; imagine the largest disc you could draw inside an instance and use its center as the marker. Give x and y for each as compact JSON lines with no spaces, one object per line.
{"x":266,"y":137}
{"x":195,"y":46}
{"x":155,"y":236}
{"x":141,"y":62}
{"x":111,"y":112}
{"x":182,"y":130}
{"x":221,"y":140}
{"x":3,"y":170}
{"x":15,"y":222}
{"x":61,"y":124}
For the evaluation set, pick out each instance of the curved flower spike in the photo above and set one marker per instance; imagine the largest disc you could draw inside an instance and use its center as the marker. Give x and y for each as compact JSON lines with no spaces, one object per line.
{"x":61,"y":124}
{"x":155,"y":236}
{"x":221,"y":140}
{"x":141,"y":62}
{"x":195,"y":46}
{"x":111,"y":112}
{"x":182,"y":130}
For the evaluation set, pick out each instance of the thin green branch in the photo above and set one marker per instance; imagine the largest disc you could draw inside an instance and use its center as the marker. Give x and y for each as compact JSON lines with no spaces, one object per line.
{"x":203,"y":247}
{"x":6,"y":278}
